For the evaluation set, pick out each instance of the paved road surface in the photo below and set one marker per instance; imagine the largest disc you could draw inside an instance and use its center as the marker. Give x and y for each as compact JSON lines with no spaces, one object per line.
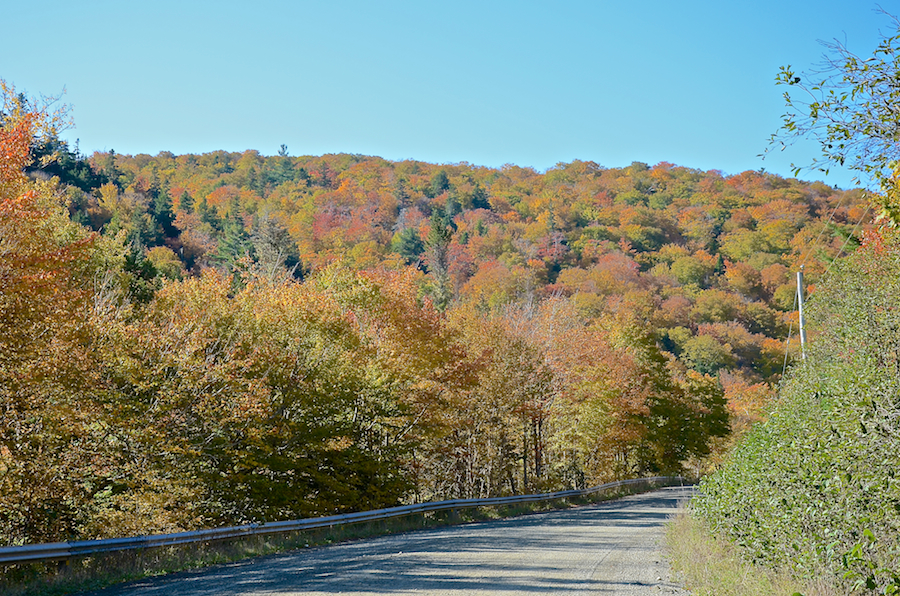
{"x":608,"y":548}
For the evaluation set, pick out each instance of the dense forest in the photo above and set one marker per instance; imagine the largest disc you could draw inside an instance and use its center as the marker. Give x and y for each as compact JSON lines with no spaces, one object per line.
{"x":196,"y":340}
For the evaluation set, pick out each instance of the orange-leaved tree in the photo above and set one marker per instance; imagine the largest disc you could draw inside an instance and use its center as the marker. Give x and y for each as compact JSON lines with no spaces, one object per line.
{"x":45,"y":362}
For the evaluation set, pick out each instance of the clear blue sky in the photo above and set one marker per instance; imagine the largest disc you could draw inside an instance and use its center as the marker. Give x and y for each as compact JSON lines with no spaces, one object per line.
{"x":487,"y":82}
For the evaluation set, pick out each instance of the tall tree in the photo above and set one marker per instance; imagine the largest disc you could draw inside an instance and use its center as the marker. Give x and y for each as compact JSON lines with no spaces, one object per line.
{"x":437,"y":257}
{"x":440,"y":183}
{"x":273,"y":246}
{"x":408,"y":244}
{"x":46,"y":371}
{"x":163,"y":214}
{"x":234,"y":242}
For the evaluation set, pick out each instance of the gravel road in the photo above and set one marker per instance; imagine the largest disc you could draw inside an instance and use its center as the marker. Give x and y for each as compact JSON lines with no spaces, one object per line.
{"x":608,"y":548}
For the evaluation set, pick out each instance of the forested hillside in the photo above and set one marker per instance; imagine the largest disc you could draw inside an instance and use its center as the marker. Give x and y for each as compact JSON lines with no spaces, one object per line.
{"x":705,"y":260}
{"x":709,"y":257}
{"x":197,"y":340}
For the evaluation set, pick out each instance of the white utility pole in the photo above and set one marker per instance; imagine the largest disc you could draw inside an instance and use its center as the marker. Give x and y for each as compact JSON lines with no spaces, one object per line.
{"x":802,"y":321}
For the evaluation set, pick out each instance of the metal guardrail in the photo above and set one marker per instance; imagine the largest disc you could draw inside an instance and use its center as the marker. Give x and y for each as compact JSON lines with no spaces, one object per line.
{"x":35,"y":553}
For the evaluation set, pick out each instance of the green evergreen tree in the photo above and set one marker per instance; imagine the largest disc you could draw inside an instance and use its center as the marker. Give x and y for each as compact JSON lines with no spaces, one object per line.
{"x":234,"y":242}
{"x":408,"y":244}
{"x":142,"y":229}
{"x":142,"y":276}
{"x":282,"y":170}
{"x":162,"y":214}
{"x":186,"y":202}
{"x":440,"y":183}
{"x":208,"y":215}
{"x":400,"y":192}
{"x":480,"y":198}
{"x":452,"y":209}
{"x":437,"y":256}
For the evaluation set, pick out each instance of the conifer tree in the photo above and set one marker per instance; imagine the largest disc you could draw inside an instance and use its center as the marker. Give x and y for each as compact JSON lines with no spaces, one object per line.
{"x":234,"y":242}
{"x":437,"y":255}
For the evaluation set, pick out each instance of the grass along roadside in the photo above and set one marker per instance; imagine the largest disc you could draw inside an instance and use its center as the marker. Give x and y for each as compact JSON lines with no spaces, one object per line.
{"x":106,"y":569}
{"x":710,"y":566}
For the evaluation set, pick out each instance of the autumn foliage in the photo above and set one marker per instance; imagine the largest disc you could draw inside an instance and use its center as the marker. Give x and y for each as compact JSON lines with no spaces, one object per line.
{"x":44,"y":361}
{"x":189,"y":341}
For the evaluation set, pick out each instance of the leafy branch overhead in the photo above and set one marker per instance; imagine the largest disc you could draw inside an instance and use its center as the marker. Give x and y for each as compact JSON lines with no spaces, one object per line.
{"x":850,"y":106}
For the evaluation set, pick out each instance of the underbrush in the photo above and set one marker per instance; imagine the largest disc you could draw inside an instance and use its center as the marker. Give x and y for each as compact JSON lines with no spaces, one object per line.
{"x":815,"y":487}
{"x":713,"y":567}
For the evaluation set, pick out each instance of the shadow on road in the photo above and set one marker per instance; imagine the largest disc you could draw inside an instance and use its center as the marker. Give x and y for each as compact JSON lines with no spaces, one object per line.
{"x":559,"y":552}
